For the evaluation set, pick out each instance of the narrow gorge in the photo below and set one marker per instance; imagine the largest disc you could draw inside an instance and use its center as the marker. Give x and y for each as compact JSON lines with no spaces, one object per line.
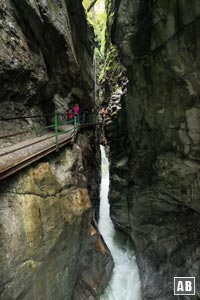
{"x":139,"y":60}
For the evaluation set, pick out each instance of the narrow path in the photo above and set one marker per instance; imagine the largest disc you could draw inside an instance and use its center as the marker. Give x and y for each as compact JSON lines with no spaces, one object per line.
{"x":22,"y":154}
{"x":125,"y":282}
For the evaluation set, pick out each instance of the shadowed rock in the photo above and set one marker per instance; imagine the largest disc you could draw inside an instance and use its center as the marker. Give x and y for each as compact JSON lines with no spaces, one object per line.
{"x":160,"y":47}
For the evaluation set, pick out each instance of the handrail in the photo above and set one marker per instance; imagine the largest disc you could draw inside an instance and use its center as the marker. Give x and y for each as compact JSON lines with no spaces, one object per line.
{"x":76,"y":124}
{"x":29,"y":117}
{"x":76,"y":121}
{"x":80,"y":119}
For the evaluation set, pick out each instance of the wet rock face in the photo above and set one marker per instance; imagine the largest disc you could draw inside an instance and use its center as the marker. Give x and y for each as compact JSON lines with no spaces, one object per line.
{"x":89,"y":143}
{"x":159,"y":45}
{"x":119,"y":151}
{"x":45,"y":217}
{"x":46,"y":236}
{"x":44,"y":46}
{"x":95,"y":269}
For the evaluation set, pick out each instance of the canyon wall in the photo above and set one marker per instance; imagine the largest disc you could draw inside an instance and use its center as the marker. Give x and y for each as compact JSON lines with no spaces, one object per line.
{"x":155,"y":140}
{"x":46,"y":54}
{"x":50,"y":247}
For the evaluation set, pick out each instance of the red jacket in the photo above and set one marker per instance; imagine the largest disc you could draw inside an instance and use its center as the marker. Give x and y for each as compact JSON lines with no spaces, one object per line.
{"x":70,"y":114}
{"x":76,"y":110}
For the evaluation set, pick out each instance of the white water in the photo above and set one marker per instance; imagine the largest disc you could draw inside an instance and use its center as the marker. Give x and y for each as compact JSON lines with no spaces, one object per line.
{"x":125,"y":282}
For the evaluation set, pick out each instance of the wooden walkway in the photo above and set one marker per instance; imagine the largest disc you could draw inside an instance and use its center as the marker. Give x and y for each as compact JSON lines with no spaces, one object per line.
{"x":16,"y":157}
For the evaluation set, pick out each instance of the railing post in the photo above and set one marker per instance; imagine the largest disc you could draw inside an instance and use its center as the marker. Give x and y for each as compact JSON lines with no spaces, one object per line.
{"x":74,"y":122}
{"x":56,"y":130}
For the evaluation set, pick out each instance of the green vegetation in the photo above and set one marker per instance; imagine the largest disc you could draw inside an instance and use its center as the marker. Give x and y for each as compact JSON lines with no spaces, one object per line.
{"x":100,"y":15}
{"x":97,"y":18}
{"x":112,"y":65}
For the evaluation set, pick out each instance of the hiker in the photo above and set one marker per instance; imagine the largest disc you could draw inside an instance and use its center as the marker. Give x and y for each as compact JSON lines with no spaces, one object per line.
{"x":70,"y":114}
{"x":103,"y":113}
{"x":76,"y":110}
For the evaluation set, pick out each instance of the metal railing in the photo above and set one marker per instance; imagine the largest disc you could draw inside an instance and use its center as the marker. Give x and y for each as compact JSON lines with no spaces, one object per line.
{"x":58,"y":121}
{"x":76,"y":121}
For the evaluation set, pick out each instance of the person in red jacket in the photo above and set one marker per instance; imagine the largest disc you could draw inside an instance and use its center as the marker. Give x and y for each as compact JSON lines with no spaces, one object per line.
{"x":70,"y":115}
{"x":103,"y":113}
{"x":76,"y":111}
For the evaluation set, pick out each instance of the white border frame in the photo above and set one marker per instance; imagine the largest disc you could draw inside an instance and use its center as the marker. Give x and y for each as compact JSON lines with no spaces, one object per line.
{"x":184,"y":294}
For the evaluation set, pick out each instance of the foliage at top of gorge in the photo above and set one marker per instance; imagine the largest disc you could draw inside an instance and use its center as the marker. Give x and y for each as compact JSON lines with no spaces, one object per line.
{"x":100,"y":15}
{"x":97,"y":18}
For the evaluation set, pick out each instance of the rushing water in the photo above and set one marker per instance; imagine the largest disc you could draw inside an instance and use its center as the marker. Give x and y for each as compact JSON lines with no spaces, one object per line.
{"x":125,"y":282}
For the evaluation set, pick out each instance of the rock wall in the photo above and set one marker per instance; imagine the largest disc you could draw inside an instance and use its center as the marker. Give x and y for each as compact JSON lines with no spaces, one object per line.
{"x":46,"y":54}
{"x":48,"y":247}
{"x":89,"y":144}
{"x":119,"y":153}
{"x":160,"y":47}
{"x":47,"y":241}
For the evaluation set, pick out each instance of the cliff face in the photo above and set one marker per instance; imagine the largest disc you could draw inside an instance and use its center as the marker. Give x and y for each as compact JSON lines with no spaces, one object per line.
{"x":160,"y":47}
{"x":47,"y":242}
{"x":46,"y":53}
{"x":48,"y":247}
{"x":90,"y":147}
{"x":42,"y":213}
